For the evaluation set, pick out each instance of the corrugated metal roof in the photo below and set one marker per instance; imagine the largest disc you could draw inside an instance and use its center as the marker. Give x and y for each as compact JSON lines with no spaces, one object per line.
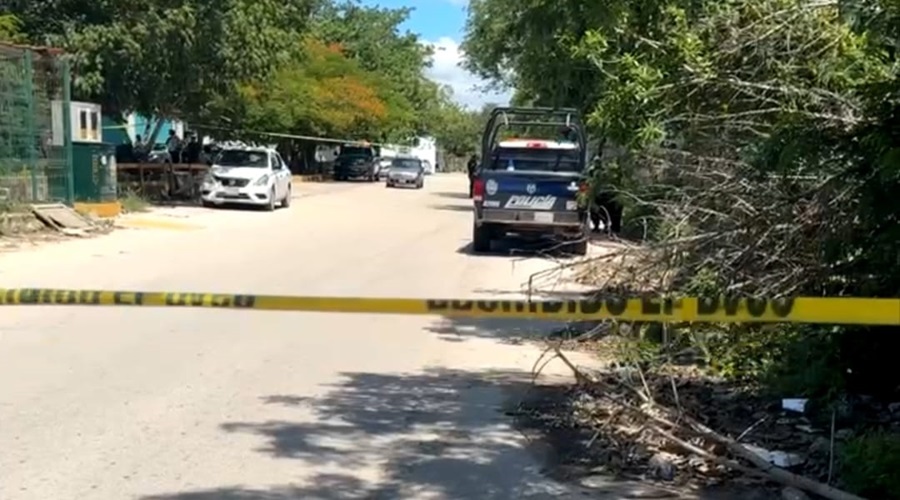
{"x":12,"y":48}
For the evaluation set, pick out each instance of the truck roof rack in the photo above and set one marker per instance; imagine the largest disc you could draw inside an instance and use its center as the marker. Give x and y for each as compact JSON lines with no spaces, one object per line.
{"x":509,"y":117}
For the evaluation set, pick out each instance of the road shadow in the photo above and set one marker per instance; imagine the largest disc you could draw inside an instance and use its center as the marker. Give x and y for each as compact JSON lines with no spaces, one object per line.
{"x":505,"y":330}
{"x":240,"y":207}
{"x":165,"y":203}
{"x":452,"y":208}
{"x":454,"y":195}
{"x":518,"y":247}
{"x":441,"y":432}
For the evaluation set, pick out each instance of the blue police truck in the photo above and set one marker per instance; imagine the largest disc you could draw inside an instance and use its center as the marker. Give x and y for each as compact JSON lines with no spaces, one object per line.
{"x":530,"y":183}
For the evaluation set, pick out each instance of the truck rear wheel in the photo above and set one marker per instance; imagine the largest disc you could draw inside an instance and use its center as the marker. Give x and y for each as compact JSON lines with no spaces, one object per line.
{"x":578,"y":247}
{"x":481,"y":238}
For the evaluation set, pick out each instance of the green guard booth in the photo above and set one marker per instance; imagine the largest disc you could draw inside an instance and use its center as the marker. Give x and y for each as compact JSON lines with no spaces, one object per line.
{"x":94,"y":172}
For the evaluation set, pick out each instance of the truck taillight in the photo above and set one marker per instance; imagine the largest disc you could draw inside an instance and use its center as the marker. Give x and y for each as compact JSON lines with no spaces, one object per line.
{"x":478,"y":189}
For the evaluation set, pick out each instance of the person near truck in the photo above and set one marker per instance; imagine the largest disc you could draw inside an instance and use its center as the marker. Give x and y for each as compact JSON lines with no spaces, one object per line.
{"x":605,"y":206}
{"x":471,"y":167}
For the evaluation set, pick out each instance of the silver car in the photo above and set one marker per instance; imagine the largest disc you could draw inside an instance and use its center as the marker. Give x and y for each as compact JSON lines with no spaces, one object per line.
{"x":406,"y":172}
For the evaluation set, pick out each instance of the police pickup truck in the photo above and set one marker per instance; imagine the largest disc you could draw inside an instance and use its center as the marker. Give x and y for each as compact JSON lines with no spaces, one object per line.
{"x":532,"y":187}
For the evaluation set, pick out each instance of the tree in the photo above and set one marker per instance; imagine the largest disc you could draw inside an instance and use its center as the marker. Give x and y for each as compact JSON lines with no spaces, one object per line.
{"x":372,"y":36}
{"x":529,"y":47}
{"x":160,"y":58}
{"x":458,"y":130}
{"x":321,"y":93}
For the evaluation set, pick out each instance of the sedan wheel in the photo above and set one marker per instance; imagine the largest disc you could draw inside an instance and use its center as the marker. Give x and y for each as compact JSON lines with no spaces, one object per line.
{"x":270,"y":207}
{"x":286,"y":202}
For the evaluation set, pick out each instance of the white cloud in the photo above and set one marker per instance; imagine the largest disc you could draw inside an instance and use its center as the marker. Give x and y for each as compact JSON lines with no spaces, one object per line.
{"x":468,"y":89}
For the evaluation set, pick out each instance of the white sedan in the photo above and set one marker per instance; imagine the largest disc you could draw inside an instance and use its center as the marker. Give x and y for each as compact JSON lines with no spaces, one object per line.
{"x":257,"y":177}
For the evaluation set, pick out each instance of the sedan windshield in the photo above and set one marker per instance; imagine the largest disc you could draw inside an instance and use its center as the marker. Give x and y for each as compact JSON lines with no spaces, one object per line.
{"x":406,"y":164}
{"x":242,"y":158}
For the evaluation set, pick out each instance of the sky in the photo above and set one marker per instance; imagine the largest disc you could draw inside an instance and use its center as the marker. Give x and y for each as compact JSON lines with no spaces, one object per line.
{"x":440,"y":23}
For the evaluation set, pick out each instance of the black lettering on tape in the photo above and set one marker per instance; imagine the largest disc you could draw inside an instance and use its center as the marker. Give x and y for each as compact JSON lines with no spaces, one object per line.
{"x":128,"y":298}
{"x":650,"y":306}
{"x":591,"y":306}
{"x":783,"y":307}
{"x":552,"y":307}
{"x":616,"y":305}
{"x":437,"y":305}
{"x":707,"y":306}
{"x":653,"y":306}
{"x":175,"y":299}
{"x":185,"y":299}
{"x":731,"y":305}
{"x":29,"y":296}
{"x":52,"y":297}
{"x":236,"y":301}
{"x":221,"y":300}
{"x":244,"y":301}
{"x":487,"y":306}
{"x":756,"y":307}
{"x":462,"y":305}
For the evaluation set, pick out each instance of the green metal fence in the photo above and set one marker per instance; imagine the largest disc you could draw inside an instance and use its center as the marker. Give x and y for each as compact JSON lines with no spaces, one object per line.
{"x":35,"y":152}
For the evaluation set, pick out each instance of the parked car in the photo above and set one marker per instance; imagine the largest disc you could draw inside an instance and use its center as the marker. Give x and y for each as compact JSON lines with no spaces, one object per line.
{"x":355,"y":162}
{"x":247,"y":176}
{"x":406,"y":172}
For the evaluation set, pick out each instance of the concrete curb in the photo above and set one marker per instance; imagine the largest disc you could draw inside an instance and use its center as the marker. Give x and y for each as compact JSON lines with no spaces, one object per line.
{"x":150,"y":222}
{"x":107,"y":209}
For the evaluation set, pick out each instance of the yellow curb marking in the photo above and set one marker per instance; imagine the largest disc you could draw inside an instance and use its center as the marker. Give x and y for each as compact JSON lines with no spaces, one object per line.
{"x":144,"y":223}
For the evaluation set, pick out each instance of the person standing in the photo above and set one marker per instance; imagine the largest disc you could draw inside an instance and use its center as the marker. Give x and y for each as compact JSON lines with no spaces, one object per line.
{"x":471,"y":168}
{"x":173,"y":145}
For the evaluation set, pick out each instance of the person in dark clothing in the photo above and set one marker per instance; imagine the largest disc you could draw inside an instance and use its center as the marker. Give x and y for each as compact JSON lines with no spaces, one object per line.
{"x":607,"y":209}
{"x":193,"y":149}
{"x":471,"y":168}
{"x":604,"y":206}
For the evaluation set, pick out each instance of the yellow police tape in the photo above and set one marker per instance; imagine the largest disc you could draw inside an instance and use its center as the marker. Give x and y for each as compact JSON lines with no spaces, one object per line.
{"x":859,"y":311}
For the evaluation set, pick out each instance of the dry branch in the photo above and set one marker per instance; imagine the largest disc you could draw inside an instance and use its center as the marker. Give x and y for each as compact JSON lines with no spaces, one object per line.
{"x":664,"y":419}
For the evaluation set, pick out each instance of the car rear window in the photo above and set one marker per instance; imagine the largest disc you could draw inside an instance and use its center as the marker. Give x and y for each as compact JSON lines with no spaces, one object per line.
{"x":404,"y":163}
{"x":357,"y":151}
{"x":535,"y":160}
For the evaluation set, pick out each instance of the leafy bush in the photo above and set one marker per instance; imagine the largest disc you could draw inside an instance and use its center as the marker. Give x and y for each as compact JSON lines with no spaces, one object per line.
{"x":870,"y":465}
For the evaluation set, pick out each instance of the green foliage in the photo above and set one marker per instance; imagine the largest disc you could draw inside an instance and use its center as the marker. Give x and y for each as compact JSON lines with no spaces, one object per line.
{"x":372,"y":37}
{"x":11,"y":29}
{"x":458,"y":130}
{"x":869,"y":465}
{"x":756,"y":142}
{"x":216,"y":63}
{"x":322,"y":93}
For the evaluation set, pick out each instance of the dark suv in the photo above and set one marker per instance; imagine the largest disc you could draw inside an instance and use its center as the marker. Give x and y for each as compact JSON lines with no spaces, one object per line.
{"x":356,"y":162}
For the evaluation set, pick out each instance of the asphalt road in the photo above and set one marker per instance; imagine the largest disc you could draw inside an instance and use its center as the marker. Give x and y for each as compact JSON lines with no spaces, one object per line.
{"x":169,"y":404}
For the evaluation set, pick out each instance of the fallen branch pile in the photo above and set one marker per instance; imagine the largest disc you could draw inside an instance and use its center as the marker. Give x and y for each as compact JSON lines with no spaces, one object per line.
{"x":687,"y":433}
